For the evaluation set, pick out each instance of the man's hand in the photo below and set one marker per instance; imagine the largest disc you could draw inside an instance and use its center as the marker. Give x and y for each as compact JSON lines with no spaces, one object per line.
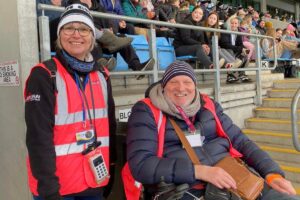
{"x":282,"y":185}
{"x":215,"y":175}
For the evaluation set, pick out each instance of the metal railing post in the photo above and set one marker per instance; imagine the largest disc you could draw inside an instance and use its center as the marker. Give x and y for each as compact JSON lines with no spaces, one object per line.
{"x":294,"y":120}
{"x":215,"y":53}
{"x":152,"y":51}
{"x":258,"y":73}
{"x":44,"y":34}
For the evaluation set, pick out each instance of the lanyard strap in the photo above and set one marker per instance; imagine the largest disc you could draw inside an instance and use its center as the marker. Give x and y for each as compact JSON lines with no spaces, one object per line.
{"x":191,"y":126}
{"x":84,"y":99}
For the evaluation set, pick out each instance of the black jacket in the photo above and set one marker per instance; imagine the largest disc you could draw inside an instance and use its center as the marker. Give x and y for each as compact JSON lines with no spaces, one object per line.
{"x":188,"y":36}
{"x":225,"y":42}
{"x":40,"y":118}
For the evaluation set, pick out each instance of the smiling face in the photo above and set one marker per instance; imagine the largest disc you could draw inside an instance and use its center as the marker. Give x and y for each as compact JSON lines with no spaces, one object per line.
{"x":181,"y":90}
{"x":75,"y":44}
{"x":234,"y":24}
{"x":197,"y":14}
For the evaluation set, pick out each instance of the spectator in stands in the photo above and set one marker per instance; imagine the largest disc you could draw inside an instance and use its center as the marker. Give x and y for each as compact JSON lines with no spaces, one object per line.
{"x":261,"y":27}
{"x":178,"y":98}
{"x":166,"y":12}
{"x":183,"y":11}
{"x":58,"y":96}
{"x":119,"y":26}
{"x":248,"y":42}
{"x":241,"y":14}
{"x":212,"y":21}
{"x":193,"y":4}
{"x":268,"y":24}
{"x":283,"y":47}
{"x":234,"y":43}
{"x":250,"y":10}
{"x":132,"y":8}
{"x":255,"y":19}
{"x":51,"y":14}
{"x":191,"y":42}
{"x":290,"y":30}
{"x":127,"y":51}
{"x":204,"y":6}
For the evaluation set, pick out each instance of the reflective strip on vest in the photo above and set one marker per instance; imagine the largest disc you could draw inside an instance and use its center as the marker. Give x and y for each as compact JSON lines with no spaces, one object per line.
{"x":77,"y":117}
{"x":63,"y":117}
{"x":72,"y":148}
{"x":104,"y":86}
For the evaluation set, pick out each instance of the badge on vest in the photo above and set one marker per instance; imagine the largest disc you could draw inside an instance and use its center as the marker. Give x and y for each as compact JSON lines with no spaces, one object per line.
{"x":85,"y":136}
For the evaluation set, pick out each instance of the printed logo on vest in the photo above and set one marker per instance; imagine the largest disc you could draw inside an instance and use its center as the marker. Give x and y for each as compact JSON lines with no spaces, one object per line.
{"x":33,"y":97}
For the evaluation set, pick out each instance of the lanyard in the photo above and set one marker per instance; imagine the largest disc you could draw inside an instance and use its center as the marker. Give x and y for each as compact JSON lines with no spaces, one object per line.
{"x":84,"y":99}
{"x":191,"y":126}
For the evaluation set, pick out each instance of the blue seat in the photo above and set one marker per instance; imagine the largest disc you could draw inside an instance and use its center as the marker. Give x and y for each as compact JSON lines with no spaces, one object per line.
{"x":141,"y":47}
{"x":165,"y":53}
{"x":184,"y":58}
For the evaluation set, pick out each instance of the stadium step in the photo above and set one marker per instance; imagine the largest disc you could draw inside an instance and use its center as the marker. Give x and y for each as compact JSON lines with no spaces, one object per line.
{"x":270,"y":128}
{"x":269,"y":124}
{"x":276,"y":113}
{"x":278,"y":102}
{"x":282,"y":93}
{"x":287,"y":84}
{"x":267,"y":137}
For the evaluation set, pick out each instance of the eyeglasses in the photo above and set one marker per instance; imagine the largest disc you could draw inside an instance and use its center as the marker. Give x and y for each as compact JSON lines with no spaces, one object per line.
{"x":81,"y":30}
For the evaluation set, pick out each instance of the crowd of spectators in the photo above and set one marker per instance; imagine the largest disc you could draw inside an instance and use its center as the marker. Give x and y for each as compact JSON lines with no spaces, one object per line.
{"x":235,"y":51}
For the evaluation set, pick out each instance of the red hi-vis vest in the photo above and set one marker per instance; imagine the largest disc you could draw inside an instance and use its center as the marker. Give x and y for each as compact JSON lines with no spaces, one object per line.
{"x":72,"y":168}
{"x":131,"y":186}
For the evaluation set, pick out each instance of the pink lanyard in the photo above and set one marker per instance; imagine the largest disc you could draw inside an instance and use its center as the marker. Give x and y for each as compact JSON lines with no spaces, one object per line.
{"x":191,"y":126}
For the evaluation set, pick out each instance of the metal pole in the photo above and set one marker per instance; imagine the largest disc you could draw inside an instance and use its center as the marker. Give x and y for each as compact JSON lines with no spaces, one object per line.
{"x":44,"y":34}
{"x":294,"y":120}
{"x":153,"y":52}
{"x":215,"y":52}
{"x":258,"y":73}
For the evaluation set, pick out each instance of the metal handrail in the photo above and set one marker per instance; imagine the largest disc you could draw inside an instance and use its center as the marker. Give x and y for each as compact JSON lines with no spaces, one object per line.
{"x":294,"y":116}
{"x":153,"y":52}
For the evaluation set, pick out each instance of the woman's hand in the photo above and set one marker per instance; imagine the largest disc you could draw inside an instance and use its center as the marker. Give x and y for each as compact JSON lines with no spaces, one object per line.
{"x":215,"y":175}
{"x":282,"y":185}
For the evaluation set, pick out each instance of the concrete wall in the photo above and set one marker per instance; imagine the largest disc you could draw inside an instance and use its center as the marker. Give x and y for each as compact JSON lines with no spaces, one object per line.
{"x":282,"y":4}
{"x":17,"y":43}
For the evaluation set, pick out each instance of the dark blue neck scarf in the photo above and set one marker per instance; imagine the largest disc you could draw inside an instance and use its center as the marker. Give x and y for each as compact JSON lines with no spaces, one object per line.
{"x":78,"y":65}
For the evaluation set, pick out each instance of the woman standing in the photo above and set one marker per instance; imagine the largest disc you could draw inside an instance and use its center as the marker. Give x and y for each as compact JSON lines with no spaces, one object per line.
{"x":69,"y":113}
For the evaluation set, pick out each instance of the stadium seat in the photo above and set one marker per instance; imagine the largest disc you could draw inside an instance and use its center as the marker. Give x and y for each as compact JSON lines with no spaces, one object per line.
{"x":141,"y":47}
{"x":165,"y":53}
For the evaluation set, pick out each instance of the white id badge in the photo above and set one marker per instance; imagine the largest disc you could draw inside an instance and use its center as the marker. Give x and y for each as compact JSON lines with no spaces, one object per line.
{"x":195,"y":140}
{"x":85,"y":136}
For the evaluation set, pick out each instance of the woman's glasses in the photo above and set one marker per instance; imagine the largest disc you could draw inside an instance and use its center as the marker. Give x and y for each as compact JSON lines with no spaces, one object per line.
{"x":83,"y":31}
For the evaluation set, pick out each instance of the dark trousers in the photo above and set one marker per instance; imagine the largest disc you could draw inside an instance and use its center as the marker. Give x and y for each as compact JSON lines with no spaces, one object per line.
{"x":194,"y":50}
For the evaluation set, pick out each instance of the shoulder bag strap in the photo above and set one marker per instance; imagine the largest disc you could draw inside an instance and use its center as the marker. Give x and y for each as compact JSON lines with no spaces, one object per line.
{"x":190,"y":151}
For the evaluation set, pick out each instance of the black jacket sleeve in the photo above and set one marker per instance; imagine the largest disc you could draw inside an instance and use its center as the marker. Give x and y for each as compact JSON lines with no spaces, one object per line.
{"x":40,"y":118}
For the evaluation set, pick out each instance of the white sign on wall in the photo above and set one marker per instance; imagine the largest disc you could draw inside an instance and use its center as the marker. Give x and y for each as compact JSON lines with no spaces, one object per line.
{"x":9,"y":74}
{"x":124,"y":115}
